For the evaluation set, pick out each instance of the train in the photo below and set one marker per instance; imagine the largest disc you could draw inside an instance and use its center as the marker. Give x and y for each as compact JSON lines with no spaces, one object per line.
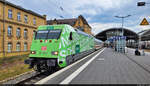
{"x":98,"y":44}
{"x":57,"y":46}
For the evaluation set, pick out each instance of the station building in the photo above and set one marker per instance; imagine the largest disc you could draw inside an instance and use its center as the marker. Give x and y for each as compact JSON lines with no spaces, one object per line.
{"x":77,"y":23}
{"x":17,"y":26}
{"x":132,"y":37}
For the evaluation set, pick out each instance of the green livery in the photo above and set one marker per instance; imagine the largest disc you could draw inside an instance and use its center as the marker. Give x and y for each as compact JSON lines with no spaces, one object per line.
{"x":58,"y":45}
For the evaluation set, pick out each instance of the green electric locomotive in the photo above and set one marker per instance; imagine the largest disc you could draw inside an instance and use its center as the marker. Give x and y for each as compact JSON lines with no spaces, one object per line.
{"x":56,"y":46}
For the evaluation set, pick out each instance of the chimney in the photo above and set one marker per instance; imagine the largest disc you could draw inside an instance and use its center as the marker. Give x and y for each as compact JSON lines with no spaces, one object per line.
{"x":45,"y":22}
{"x":44,"y":16}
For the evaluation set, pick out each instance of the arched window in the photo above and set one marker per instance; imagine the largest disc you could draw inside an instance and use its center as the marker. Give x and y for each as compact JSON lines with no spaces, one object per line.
{"x":25,"y":33}
{"x":34,"y":32}
{"x":18,"y":46}
{"x":18,"y":32}
{"x":25,"y":46}
{"x":9,"y":31}
{"x":9,"y":49}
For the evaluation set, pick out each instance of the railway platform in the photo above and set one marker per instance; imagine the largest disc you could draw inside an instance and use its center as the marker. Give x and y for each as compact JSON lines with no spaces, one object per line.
{"x":104,"y":67}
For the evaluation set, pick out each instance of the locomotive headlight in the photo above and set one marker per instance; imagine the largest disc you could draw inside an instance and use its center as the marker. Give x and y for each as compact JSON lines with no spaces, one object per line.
{"x":54,"y":52}
{"x":33,"y":52}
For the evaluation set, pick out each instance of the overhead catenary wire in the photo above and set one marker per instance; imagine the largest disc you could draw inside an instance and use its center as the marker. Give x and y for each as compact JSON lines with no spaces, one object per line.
{"x":58,"y":6}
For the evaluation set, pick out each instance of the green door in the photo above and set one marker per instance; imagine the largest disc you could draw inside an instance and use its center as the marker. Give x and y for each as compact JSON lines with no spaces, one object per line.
{"x":77,"y":49}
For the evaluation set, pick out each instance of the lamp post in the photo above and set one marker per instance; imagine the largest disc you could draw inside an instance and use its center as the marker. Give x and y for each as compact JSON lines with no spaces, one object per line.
{"x":122,"y":17}
{"x":122,"y":34}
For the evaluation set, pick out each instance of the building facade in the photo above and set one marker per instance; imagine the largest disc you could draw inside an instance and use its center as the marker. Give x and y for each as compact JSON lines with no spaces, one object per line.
{"x":77,"y":23}
{"x":17,"y":26}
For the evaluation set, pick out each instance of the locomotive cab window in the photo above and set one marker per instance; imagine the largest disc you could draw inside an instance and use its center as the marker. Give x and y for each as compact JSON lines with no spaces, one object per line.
{"x":42,"y":34}
{"x":54,"y":34}
{"x":48,"y":34}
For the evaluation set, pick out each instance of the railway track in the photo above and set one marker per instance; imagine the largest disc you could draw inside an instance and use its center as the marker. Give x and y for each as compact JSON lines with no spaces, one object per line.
{"x":37,"y":77}
{"x":34,"y":79}
{"x":29,"y":78}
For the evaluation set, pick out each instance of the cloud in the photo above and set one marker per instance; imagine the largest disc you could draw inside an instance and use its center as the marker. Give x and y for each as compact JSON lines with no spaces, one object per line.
{"x":99,"y":13}
{"x":98,"y":27}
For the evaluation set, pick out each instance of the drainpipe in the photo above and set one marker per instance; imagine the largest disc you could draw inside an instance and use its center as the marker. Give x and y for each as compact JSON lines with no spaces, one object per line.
{"x":4,"y":28}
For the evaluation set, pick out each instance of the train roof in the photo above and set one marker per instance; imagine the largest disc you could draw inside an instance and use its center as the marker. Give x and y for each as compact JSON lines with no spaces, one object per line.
{"x":97,"y":40}
{"x":45,"y":27}
{"x":83,"y":33}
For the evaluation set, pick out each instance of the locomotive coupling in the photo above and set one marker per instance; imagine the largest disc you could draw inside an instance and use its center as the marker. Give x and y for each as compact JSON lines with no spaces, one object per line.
{"x":28,"y":61}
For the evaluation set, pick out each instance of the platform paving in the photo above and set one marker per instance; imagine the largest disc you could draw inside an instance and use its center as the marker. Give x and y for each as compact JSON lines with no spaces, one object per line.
{"x":141,"y":60}
{"x":109,"y":67}
{"x":116,"y":68}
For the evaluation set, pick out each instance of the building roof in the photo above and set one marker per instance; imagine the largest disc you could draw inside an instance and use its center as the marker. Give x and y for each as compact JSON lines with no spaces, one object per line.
{"x":21,"y":8}
{"x":144,"y":32}
{"x":63,"y":21}
{"x":84,"y":20}
{"x":145,"y":35}
{"x":128,"y":33}
{"x":70,"y":21}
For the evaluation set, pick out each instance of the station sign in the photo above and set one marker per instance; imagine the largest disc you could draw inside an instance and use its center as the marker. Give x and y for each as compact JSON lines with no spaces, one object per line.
{"x":111,"y":39}
{"x":119,"y":37}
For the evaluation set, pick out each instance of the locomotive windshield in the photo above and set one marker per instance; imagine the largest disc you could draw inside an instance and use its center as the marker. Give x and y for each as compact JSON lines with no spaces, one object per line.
{"x":54,"y":34}
{"x":41,"y":34}
{"x":48,"y":34}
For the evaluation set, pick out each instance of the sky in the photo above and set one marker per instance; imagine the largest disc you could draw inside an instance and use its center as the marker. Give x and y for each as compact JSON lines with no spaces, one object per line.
{"x":100,"y":14}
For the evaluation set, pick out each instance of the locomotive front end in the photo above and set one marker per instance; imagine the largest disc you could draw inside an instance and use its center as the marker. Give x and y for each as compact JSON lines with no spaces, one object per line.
{"x":44,"y":49}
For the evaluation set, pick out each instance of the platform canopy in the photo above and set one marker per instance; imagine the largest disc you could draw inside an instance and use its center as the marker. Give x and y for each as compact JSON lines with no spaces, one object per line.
{"x":145,"y":35}
{"x":130,"y":35}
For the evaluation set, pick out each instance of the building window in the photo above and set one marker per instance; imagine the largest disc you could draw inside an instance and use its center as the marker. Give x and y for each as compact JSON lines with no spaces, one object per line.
{"x":9,"y":47}
{"x":10,"y":13}
{"x":34,"y":32}
{"x":9,"y":31}
{"x":79,"y":22}
{"x":18,"y":32}
{"x":25,"y":46}
{"x":34,"y":21}
{"x":18,"y":47}
{"x":18,"y":16}
{"x":73,"y":23}
{"x":25,"y":18}
{"x":81,"y":28}
{"x":25,"y":33}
